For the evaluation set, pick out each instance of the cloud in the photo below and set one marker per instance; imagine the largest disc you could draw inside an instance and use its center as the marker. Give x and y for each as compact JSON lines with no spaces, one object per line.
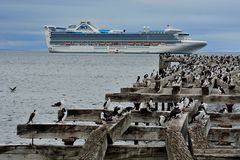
{"x":202,"y":19}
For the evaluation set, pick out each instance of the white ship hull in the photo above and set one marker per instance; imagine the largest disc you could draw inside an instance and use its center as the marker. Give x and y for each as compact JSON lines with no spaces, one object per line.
{"x":183,"y":47}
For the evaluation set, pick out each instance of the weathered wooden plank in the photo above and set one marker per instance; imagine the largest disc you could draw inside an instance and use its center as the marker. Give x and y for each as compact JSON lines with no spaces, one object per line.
{"x":131,"y":89}
{"x":136,"y":152}
{"x":147,"y":133}
{"x":96,"y":144}
{"x":62,"y":131}
{"x":83,"y":131}
{"x":217,"y":154}
{"x":39,"y":152}
{"x":49,"y":152}
{"x":226,"y":118}
{"x":93,"y":115}
{"x":89,"y":115}
{"x":175,"y":139}
{"x":116,"y":130}
{"x":225,"y":135}
{"x":140,"y":97}
{"x":148,"y":117}
{"x":198,"y":132}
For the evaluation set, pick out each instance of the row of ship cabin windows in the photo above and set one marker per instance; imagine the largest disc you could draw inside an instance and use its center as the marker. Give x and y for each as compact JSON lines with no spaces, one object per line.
{"x":109,"y":43}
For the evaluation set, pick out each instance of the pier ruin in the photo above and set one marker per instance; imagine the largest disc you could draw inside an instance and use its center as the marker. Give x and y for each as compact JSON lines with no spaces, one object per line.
{"x":214,"y":137}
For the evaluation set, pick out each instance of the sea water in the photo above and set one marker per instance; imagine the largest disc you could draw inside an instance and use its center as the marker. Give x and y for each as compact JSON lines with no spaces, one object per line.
{"x":44,"y":78}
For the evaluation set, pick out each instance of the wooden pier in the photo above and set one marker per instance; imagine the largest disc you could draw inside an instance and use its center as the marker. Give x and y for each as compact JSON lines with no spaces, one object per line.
{"x":215,"y":137}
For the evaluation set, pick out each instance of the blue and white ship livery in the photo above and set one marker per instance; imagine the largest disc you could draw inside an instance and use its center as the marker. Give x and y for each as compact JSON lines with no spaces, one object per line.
{"x":86,"y":38}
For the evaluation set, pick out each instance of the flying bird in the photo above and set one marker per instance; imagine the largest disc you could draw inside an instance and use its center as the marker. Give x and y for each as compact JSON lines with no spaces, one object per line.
{"x":13,"y":89}
{"x":31,"y":117}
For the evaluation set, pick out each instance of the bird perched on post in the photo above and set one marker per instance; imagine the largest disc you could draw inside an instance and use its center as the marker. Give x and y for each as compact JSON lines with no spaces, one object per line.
{"x":62,"y":112}
{"x":162,"y":120}
{"x":221,"y":90}
{"x":107,"y":104}
{"x":175,"y":113}
{"x":32,"y":115}
{"x":224,"y":110}
{"x":105,"y":117}
{"x":203,"y":106}
{"x":61,"y":115}
{"x":198,"y":116}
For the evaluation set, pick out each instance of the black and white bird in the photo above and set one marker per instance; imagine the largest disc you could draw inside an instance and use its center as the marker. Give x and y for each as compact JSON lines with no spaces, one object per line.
{"x":32,"y":115}
{"x":105,"y":117}
{"x":162,"y":120}
{"x":221,"y":90}
{"x":198,"y":116}
{"x":116,"y":111}
{"x":151,"y":105}
{"x":107,"y":104}
{"x":13,"y":89}
{"x":145,"y":107}
{"x":224,"y":110}
{"x":61,"y":115}
{"x":175,"y":113}
{"x":203,"y":106}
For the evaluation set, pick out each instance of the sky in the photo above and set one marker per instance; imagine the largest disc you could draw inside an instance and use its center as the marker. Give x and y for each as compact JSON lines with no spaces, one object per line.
{"x":214,"y":21}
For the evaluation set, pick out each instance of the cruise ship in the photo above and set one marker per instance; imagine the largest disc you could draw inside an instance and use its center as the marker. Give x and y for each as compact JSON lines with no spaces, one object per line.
{"x":86,"y":38}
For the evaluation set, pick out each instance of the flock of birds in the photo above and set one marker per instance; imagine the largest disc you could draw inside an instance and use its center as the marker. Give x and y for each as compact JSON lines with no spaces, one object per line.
{"x":62,"y":112}
{"x":184,"y":104}
{"x":209,"y":68}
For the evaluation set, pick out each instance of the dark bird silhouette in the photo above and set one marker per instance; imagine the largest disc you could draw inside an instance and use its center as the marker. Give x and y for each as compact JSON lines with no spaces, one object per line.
{"x":13,"y":89}
{"x":128,"y":109}
{"x":31,"y":117}
{"x":58,"y":104}
{"x":138,"y":78}
{"x":107,"y":103}
{"x":198,"y":116}
{"x":224,"y":110}
{"x":176,"y":111}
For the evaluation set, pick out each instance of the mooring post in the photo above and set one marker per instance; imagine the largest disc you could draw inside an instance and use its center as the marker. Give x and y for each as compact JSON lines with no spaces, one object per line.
{"x":176,"y":145}
{"x":163,"y":106}
{"x":137,"y":107}
{"x":156,"y":106}
{"x":229,"y":107}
